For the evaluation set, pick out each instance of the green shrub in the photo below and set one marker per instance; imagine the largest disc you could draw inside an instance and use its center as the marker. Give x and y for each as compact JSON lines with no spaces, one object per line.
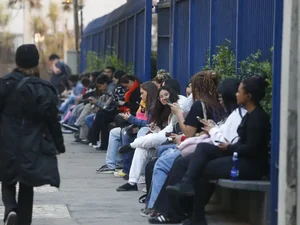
{"x":96,"y":63}
{"x":255,"y":66}
{"x":224,"y":64}
{"x":223,"y":61}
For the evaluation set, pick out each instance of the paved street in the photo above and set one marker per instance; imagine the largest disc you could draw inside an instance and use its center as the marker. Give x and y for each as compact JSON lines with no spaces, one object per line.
{"x":86,"y":198}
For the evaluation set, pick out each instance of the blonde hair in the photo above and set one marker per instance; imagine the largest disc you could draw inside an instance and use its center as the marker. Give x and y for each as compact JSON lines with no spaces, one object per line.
{"x":34,"y":72}
{"x":161,"y":76}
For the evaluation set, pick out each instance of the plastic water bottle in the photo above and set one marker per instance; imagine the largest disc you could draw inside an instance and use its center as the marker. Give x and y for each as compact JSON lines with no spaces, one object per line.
{"x":234,"y":173}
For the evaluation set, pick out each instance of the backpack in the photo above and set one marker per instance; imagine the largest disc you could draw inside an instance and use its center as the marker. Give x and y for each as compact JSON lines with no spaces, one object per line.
{"x":32,"y":105}
{"x":68,"y":70}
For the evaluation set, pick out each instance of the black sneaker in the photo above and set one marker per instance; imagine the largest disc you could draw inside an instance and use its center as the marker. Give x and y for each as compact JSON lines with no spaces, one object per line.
{"x":101,"y":148}
{"x":11,"y":219}
{"x":126,"y":177}
{"x":182,"y":189}
{"x":105,"y":170}
{"x":125,"y":149}
{"x":71,"y":127}
{"x":127,"y":187}
{"x":76,"y":141}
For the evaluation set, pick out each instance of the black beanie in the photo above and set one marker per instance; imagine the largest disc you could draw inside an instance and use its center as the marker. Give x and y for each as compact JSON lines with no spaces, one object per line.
{"x":27,"y":56}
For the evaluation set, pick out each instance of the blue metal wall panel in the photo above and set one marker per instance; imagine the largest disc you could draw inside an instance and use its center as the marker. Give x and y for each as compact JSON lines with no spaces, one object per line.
{"x":255,"y":27}
{"x":114,"y":39}
{"x":95,"y":46}
{"x":122,"y":41}
{"x":101,"y":44}
{"x":163,"y":21}
{"x":107,"y":41}
{"x":163,"y":53}
{"x":200,"y":35}
{"x":140,"y":46}
{"x":90,"y":43}
{"x":223,"y":22}
{"x":83,"y":47}
{"x":111,"y":31}
{"x":130,"y":40}
{"x":276,"y":81}
{"x":181,"y":44}
{"x":163,"y":42}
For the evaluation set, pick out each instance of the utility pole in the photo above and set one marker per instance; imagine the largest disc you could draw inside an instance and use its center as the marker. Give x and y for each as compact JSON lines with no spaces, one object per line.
{"x":76,"y":30}
{"x":76,"y":25}
{"x":27,"y":36}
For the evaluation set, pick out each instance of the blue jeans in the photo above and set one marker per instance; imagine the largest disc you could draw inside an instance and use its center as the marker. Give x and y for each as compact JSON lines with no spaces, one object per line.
{"x":160,"y":173}
{"x":114,"y":143}
{"x":89,"y":120}
{"x":65,"y":106}
{"x":129,"y":156}
{"x":161,"y":149}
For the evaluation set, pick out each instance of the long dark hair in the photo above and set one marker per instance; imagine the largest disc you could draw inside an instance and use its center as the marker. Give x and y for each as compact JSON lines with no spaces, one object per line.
{"x":174,"y":84}
{"x":151,"y":94}
{"x":118,"y":74}
{"x":160,"y":112}
{"x":228,"y":89}
{"x":126,"y":78}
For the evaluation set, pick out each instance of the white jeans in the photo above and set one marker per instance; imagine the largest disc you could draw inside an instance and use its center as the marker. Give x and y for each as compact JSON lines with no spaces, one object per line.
{"x":140,"y":159}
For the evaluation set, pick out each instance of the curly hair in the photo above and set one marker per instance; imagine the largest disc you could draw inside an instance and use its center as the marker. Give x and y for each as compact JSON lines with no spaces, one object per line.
{"x":204,"y":89}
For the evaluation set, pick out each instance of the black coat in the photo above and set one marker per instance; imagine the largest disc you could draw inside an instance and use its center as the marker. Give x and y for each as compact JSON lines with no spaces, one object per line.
{"x":134,"y":101}
{"x":30,"y":134}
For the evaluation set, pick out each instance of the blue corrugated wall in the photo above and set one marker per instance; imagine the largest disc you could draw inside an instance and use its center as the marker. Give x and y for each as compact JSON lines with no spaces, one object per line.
{"x":198,"y":26}
{"x":126,"y":32}
{"x":140,"y":46}
{"x":163,"y":35}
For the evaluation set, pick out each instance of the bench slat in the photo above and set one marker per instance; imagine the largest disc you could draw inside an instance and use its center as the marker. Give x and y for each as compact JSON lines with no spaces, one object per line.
{"x":245,"y":184}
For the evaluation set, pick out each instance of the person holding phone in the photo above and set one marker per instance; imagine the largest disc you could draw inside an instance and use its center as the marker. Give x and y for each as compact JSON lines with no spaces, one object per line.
{"x":215,"y":162}
{"x":211,"y":133}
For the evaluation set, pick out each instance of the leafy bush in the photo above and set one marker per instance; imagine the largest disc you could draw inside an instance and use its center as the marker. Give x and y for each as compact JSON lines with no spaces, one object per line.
{"x":255,"y":66}
{"x":96,"y":63}
{"x":223,"y":61}
{"x":224,"y":64}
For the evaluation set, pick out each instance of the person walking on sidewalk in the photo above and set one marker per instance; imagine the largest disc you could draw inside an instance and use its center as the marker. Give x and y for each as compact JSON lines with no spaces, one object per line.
{"x":30,"y":136}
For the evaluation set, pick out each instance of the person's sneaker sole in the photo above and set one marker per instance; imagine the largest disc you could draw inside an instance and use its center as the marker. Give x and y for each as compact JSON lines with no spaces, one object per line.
{"x":105,"y":172}
{"x":11,"y":219}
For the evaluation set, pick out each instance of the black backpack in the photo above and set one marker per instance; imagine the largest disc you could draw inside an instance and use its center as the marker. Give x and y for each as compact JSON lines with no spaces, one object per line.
{"x":68,"y":71}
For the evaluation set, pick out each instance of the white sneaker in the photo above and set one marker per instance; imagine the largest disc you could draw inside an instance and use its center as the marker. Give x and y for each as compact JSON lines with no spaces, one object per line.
{"x":144,"y":190}
{"x":142,"y":180}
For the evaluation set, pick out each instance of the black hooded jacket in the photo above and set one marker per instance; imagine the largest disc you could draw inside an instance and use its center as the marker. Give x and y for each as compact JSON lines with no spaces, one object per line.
{"x":30,"y":134}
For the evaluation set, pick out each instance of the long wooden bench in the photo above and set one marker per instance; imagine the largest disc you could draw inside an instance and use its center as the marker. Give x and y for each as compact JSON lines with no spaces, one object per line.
{"x":248,"y":200}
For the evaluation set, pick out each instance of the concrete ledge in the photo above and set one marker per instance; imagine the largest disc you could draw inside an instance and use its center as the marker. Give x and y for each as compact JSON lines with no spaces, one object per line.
{"x":245,"y":185}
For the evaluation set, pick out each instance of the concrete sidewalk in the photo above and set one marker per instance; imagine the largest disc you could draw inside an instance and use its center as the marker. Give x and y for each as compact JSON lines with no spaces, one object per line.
{"x":86,"y":198}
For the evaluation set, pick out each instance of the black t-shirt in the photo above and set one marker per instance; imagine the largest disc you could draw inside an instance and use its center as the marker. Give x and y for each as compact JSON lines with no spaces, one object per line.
{"x":191,"y":118}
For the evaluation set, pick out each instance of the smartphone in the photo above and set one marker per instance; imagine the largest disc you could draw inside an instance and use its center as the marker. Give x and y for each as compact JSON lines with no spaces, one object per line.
{"x":168,"y":101}
{"x":168,"y":134}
